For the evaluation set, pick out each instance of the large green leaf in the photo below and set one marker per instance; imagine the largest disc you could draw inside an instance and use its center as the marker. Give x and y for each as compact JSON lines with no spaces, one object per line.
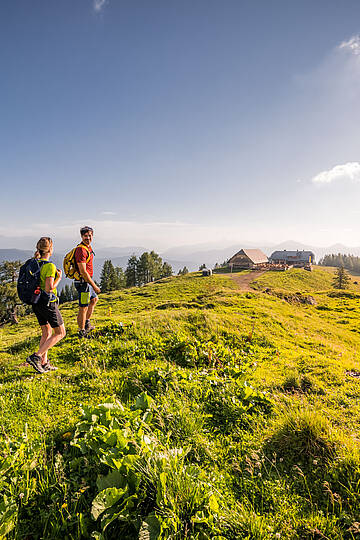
{"x":113,"y":479}
{"x":150,"y":528}
{"x":143,"y":402}
{"x":8,"y":517}
{"x":105,"y":499}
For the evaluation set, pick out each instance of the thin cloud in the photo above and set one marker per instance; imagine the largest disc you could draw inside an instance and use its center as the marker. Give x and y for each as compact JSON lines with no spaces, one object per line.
{"x":349,"y":172}
{"x":99,"y":5}
{"x":108,"y":213}
{"x":352,"y":45}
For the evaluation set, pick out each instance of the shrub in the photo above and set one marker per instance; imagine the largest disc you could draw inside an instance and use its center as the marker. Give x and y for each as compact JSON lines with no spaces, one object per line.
{"x":298,"y":382}
{"x":304,"y":437}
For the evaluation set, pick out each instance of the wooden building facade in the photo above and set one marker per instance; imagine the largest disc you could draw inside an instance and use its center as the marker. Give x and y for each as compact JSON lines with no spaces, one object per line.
{"x":247,"y":259}
{"x":293,"y":258}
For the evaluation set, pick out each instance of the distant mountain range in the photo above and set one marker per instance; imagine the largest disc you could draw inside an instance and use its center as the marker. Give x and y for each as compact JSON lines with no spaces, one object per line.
{"x":190,"y":256}
{"x":211,"y":256}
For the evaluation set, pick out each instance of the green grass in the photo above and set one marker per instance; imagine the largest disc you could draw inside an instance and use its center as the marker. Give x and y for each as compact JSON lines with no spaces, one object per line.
{"x":236,"y":407}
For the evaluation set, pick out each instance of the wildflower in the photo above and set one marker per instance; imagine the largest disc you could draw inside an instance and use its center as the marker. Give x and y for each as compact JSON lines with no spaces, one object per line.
{"x":64,"y":505}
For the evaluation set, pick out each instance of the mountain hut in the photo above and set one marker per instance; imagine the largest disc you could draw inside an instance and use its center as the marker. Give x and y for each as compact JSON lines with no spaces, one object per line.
{"x":247,"y":259}
{"x":293,"y":258}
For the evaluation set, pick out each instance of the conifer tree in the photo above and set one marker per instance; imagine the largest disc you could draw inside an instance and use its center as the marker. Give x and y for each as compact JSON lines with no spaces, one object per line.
{"x":108,"y":279}
{"x":74,"y":295}
{"x":62,"y":296}
{"x":10,"y":306}
{"x":120,"y":278}
{"x":156,"y":266}
{"x":131,"y":272}
{"x":144,"y":269}
{"x":341,"y":279}
{"x":166,"y":270}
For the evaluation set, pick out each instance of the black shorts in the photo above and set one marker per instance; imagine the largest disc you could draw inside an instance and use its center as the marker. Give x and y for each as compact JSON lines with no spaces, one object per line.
{"x":48,"y":314}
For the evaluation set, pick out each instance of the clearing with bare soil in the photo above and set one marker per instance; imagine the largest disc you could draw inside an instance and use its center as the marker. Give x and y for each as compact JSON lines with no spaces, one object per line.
{"x":244,"y":281}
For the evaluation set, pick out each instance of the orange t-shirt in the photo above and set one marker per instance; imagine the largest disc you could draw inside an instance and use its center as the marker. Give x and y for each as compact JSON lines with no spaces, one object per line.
{"x":82,"y":254}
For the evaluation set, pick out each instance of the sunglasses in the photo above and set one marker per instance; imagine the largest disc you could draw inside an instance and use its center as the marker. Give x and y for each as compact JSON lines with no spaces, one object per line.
{"x":84,"y":230}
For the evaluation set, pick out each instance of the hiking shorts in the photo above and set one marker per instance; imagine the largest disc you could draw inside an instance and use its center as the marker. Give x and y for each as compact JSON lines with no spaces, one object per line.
{"x":48,"y":314}
{"x":86,"y":293}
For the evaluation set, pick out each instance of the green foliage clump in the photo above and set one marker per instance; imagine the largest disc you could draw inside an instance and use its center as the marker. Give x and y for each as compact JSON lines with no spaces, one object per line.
{"x":128,"y":482}
{"x":303,"y":437}
{"x":299,"y":382}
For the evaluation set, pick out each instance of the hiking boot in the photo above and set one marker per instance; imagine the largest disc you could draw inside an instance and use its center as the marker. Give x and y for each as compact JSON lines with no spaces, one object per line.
{"x":35,"y":361}
{"x":49,"y":367}
{"x":88,"y":326}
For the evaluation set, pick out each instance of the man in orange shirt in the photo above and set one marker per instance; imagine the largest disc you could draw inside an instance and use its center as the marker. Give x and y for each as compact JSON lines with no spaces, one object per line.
{"x":86,"y":287}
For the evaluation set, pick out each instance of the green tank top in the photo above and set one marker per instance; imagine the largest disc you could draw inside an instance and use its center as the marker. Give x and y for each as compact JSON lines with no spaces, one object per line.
{"x":48,"y":270}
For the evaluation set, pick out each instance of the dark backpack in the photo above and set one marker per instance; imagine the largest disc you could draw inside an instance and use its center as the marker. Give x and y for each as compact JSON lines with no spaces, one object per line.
{"x":29,"y":280}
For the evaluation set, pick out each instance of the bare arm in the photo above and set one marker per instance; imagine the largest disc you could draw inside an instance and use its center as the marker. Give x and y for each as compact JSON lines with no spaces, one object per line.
{"x":86,"y":277}
{"x":58,"y":277}
{"x":49,"y":284}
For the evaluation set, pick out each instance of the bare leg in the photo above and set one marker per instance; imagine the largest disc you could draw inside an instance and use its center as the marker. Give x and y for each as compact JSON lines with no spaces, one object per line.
{"x":81,"y":317}
{"x":90,"y":308}
{"x":58,"y":334}
{"x":46,"y":332}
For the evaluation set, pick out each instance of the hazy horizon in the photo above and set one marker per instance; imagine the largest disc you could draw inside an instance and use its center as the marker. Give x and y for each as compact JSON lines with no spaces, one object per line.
{"x":168,"y":124}
{"x":62,"y":243}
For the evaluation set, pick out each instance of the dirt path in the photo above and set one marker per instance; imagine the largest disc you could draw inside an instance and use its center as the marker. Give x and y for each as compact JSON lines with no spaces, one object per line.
{"x":244,"y":280}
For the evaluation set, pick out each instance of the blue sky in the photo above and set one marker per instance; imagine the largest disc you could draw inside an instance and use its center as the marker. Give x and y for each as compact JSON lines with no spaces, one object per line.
{"x":167,"y":123}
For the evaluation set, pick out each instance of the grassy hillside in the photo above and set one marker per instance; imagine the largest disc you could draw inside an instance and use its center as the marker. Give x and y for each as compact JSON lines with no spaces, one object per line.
{"x":297,"y":279}
{"x":208,"y":413}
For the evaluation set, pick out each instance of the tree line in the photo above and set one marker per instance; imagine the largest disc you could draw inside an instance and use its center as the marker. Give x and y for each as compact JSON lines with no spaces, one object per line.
{"x":140,"y":270}
{"x":146,"y":268}
{"x":350,"y":262}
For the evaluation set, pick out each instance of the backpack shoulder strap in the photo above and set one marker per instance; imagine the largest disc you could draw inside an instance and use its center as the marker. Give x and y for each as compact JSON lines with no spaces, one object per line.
{"x":87,"y":249}
{"x":41,"y":263}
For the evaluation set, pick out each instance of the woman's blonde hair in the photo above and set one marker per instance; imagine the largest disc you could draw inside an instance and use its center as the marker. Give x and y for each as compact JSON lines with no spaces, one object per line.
{"x":43,"y":246}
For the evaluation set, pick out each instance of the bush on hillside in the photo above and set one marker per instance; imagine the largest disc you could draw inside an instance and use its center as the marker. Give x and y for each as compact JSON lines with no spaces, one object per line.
{"x":303,"y":438}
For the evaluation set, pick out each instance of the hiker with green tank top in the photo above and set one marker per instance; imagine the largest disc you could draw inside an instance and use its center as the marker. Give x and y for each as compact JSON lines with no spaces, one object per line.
{"x":46,"y":308}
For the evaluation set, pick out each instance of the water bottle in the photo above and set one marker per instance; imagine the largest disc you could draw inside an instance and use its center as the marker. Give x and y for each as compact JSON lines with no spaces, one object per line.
{"x":36,"y":295}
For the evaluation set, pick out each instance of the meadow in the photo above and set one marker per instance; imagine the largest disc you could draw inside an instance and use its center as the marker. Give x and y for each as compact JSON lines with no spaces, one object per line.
{"x":196,"y":411}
